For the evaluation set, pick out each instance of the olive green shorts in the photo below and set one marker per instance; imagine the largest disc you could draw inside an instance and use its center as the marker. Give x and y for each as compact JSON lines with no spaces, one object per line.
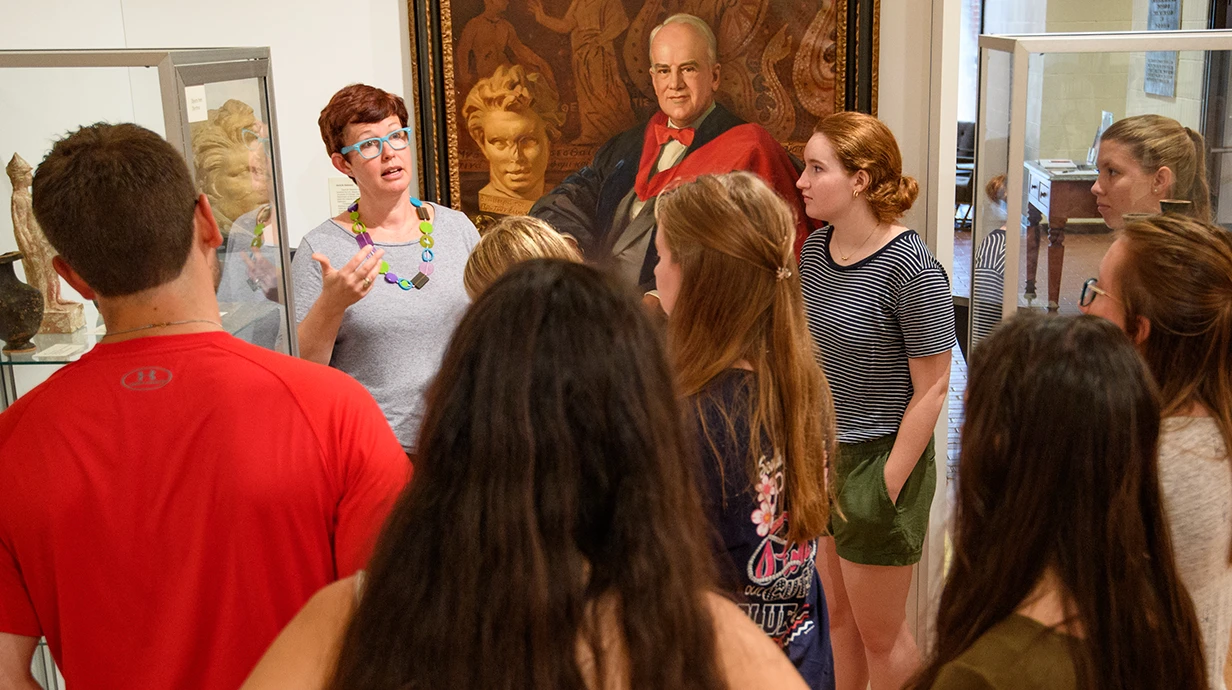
{"x":869,"y":528}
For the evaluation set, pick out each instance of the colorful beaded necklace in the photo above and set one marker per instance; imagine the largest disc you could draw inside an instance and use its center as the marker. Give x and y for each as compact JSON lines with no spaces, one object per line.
{"x":425,"y":226}
{"x":258,"y":232}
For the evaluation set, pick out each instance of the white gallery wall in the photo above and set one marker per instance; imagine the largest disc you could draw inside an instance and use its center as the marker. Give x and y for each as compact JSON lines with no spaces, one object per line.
{"x":316,"y":48}
{"x":918,"y":101}
{"x":904,"y":90}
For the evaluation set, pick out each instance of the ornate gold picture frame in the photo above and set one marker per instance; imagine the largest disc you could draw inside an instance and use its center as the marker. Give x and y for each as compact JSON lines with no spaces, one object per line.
{"x":581,"y":66}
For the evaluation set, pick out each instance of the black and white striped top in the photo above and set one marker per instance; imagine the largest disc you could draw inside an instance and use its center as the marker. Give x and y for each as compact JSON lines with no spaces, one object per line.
{"x":987,"y":285}
{"x":868,"y":319}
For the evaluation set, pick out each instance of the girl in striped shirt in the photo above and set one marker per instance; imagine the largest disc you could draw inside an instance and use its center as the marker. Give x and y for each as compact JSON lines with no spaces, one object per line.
{"x":880,"y":310}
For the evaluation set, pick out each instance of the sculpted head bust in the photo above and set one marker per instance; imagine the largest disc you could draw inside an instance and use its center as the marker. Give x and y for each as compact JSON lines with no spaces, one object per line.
{"x":230,"y":163}
{"x":513,"y":117}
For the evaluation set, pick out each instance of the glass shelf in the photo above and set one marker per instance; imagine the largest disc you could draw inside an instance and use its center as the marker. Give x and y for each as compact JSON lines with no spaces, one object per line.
{"x":49,"y":345}
{"x":259,"y":321}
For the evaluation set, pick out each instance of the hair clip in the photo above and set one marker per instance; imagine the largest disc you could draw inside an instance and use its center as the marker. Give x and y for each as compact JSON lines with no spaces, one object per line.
{"x":783,"y":273}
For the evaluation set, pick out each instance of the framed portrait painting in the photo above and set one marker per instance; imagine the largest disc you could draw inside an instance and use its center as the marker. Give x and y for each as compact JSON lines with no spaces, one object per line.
{"x":579,"y":73}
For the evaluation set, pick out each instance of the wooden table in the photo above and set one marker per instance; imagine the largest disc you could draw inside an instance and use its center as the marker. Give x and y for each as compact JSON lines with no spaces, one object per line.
{"x":1058,"y":196}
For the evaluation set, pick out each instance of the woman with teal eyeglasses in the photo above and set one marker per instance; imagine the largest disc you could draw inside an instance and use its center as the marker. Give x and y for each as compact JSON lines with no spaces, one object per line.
{"x":378,"y":288}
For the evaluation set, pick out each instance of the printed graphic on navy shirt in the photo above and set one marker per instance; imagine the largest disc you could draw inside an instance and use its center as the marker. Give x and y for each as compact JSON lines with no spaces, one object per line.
{"x":773,"y":581}
{"x":779,"y":574}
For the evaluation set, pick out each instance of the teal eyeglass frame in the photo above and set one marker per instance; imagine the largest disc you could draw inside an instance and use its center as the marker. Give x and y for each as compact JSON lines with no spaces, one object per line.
{"x":252,"y":140}
{"x":381,"y":142}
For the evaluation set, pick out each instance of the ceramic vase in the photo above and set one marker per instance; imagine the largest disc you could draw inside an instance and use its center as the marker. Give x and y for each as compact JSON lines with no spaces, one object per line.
{"x":1181,"y":207}
{"x":21,"y":308}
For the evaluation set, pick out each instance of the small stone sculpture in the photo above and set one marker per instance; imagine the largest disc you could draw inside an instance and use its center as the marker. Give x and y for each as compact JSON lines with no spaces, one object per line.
{"x":59,"y":315}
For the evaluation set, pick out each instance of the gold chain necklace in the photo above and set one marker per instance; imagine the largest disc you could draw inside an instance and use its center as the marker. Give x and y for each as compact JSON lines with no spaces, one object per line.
{"x":852,"y":253}
{"x":161,"y":325}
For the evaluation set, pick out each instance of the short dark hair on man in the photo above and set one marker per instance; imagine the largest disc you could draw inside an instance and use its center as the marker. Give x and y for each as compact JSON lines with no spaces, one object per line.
{"x":117,"y":201}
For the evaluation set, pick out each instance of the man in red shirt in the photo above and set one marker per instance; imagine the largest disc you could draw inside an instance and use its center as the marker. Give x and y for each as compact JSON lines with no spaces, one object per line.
{"x":169,"y":501}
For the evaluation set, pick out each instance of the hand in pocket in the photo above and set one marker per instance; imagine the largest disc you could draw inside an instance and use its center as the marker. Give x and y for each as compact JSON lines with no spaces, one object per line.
{"x":896,"y":478}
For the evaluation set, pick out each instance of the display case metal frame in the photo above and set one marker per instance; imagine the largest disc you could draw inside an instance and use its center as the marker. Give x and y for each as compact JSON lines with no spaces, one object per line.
{"x":1021,"y":48}
{"x":178,"y":69}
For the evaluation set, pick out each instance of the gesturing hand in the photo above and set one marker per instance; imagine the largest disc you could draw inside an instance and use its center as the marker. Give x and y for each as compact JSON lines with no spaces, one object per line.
{"x":262,"y":274}
{"x":345,"y":286}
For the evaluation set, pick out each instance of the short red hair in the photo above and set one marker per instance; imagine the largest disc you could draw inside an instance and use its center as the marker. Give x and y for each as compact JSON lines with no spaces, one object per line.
{"x":357,"y":103}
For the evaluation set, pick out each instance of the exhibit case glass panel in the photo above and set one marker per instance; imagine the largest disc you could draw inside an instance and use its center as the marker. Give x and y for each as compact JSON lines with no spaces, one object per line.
{"x":1039,"y":228}
{"x":214,"y":105}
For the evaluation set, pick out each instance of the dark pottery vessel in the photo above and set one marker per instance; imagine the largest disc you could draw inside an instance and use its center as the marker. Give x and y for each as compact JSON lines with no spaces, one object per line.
{"x":1181,"y":207}
{"x":21,"y":308}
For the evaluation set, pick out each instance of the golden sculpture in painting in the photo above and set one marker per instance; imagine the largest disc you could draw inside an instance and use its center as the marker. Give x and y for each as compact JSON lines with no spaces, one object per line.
{"x":513,"y":117}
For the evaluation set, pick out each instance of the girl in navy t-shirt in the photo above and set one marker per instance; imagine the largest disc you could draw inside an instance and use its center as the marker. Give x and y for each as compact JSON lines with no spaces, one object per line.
{"x":743,"y":357}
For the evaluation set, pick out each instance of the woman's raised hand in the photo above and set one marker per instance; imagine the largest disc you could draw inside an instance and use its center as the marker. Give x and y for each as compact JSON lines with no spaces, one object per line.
{"x":344,"y":286}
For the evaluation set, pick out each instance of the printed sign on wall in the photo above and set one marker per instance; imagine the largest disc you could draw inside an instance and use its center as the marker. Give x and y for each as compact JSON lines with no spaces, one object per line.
{"x":1163,"y":15}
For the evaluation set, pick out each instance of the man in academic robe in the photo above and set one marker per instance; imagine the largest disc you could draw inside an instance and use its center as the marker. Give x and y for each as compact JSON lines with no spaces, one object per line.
{"x":608,"y":206}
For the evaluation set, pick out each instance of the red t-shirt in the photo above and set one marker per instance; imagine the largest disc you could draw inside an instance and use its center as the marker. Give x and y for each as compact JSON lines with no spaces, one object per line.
{"x":167,"y":505}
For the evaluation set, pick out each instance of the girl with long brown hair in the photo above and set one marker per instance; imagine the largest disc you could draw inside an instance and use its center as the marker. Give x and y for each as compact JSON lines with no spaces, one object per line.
{"x":1063,"y":574}
{"x":879,"y":307}
{"x":1167,"y":282}
{"x":551,"y":536}
{"x":743,"y":356}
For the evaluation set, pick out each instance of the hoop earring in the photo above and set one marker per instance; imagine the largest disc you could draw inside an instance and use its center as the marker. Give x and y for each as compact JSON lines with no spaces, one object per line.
{"x":854,"y":194}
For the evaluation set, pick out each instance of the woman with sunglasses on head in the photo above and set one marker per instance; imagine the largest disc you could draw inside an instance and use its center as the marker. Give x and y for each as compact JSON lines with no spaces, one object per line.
{"x":879,"y":307}
{"x":1062,"y":576}
{"x":378,"y":289}
{"x":1146,"y":159}
{"x":1167,"y":282}
{"x":552,"y":537}
{"x":743,"y":356}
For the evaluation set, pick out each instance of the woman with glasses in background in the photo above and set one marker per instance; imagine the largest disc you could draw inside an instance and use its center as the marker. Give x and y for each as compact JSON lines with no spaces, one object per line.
{"x":1167,"y":282}
{"x":378,"y":288}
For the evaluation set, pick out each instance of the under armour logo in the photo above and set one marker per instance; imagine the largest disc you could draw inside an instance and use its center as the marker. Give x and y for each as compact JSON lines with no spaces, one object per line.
{"x":146,"y":379}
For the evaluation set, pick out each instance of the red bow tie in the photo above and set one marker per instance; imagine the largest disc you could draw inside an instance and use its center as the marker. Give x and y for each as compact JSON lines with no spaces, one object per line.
{"x":683,"y":135}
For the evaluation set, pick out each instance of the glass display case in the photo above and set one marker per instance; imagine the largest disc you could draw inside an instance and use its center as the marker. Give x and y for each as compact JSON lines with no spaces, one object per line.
{"x":214,"y":105}
{"x":1039,"y":230}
